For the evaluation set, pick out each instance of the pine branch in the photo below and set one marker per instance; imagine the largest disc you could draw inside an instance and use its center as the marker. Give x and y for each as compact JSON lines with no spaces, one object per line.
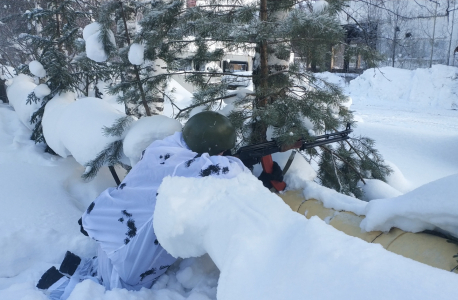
{"x":118,"y":128}
{"x":32,"y":98}
{"x":344,"y":161}
{"x":137,"y":73}
{"x":202,"y":103}
{"x":110,"y":156}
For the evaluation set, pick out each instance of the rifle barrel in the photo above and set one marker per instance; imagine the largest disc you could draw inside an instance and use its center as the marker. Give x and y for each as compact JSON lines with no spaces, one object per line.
{"x":253,"y":153}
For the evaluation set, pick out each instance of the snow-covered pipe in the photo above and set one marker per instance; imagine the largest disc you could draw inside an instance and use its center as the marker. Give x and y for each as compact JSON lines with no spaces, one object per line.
{"x":422,"y":247}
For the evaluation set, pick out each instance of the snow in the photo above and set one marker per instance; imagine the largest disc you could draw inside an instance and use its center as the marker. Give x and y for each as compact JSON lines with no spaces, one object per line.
{"x":298,"y":174}
{"x":265,"y":251}
{"x":181,"y":98}
{"x":434,"y":87}
{"x":319,"y":5}
{"x":377,"y":189}
{"x":94,"y":47}
{"x":416,"y":138}
{"x":38,"y":208}
{"x":136,"y":53}
{"x":333,"y":199}
{"x":91,"y":29}
{"x":145,"y":131}
{"x":397,"y":180}
{"x":42,"y":90}
{"x":75,"y":127}
{"x":19,"y":88}
{"x":237,"y":80}
{"x":37,"y":69}
{"x":273,"y":253}
{"x":111,"y":99}
{"x":431,"y":206}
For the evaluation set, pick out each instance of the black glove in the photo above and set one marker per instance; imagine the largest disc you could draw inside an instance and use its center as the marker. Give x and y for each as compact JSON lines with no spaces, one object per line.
{"x":277,"y":175}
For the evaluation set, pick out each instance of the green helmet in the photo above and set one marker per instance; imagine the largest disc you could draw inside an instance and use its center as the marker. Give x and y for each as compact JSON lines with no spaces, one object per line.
{"x":210,"y":132}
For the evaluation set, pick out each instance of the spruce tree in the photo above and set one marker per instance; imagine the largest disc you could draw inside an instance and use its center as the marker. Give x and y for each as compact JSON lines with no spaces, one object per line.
{"x":136,"y":86}
{"x":286,"y":96}
{"x":54,"y":42}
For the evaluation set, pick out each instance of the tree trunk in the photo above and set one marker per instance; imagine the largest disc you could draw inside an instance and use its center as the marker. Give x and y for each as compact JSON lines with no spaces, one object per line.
{"x":136,"y":71}
{"x":3,"y":95}
{"x":451,"y":35}
{"x":260,"y":80}
{"x":263,"y":49}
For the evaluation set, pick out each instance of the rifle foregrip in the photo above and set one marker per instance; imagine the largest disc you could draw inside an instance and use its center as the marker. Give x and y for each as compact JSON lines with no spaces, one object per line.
{"x":267,"y":165}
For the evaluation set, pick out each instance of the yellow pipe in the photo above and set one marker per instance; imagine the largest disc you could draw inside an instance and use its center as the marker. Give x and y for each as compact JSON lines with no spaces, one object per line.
{"x":425,"y":248}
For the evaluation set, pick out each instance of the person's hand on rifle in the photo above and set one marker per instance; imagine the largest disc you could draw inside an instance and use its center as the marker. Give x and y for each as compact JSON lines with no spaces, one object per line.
{"x":277,"y":175}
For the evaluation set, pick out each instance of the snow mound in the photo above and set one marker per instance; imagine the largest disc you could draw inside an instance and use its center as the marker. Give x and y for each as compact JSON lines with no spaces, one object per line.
{"x":265,"y":251}
{"x":377,"y":189}
{"x":145,"y":131}
{"x":331,"y":78}
{"x":332,"y":199}
{"x":433,"y":87}
{"x":94,"y":47}
{"x":75,"y":127}
{"x":397,"y":180}
{"x":136,"y":54}
{"x":91,"y":29}
{"x":431,"y":206}
{"x":15,"y":141}
{"x":111,"y":99}
{"x":18,"y":91}
{"x":37,"y":69}
{"x":42,"y":91}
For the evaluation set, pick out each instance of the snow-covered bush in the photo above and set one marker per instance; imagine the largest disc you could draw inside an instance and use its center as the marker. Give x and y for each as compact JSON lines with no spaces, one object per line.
{"x":20,"y":87}
{"x":75,"y":127}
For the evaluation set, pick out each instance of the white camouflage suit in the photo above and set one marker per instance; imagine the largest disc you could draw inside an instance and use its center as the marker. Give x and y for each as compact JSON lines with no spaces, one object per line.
{"x":121,"y":219}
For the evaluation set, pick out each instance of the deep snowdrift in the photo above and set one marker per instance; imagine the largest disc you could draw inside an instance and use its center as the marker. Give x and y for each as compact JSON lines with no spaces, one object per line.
{"x":266,"y":251}
{"x":433,"y":206}
{"x":43,"y":196}
{"x":433,"y":87}
{"x":75,"y":127}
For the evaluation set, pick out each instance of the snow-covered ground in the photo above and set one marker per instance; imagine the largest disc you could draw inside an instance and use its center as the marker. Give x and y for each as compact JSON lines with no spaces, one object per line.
{"x":413,"y":116}
{"x":43,"y":196}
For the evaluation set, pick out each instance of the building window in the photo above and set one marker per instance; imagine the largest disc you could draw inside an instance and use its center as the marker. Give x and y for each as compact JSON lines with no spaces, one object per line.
{"x":235,"y":66}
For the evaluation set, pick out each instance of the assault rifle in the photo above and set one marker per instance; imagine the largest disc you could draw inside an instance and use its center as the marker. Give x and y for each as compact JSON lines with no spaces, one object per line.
{"x":261,"y":153}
